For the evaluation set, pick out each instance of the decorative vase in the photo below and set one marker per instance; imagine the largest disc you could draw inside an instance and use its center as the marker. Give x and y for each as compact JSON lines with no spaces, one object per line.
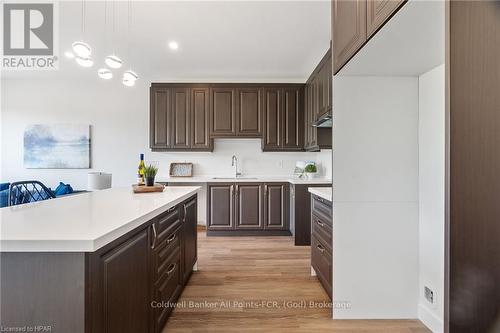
{"x":150,"y":181}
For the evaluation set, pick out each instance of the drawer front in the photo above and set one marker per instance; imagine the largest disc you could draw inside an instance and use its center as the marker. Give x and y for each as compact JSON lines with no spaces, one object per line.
{"x":323,"y":230}
{"x":321,"y":207}
{"x":167,"y":290}
{"x":321,"y":261}
{"x":165,"y":248}
{"x":167,"y":221}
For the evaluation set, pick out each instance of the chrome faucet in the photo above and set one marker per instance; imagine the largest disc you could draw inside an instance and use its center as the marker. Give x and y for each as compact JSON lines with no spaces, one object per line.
{"x":234,"y":162}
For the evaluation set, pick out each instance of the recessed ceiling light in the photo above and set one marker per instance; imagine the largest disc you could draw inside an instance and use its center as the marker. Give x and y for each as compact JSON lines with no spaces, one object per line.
{"x":85,"y":62}
{"x":173,"y":45}
{"x":69,"y":54}
{"x":105,"y":73}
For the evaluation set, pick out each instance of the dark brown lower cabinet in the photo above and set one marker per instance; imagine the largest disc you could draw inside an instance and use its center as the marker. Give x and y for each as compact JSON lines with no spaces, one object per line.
{"x":248,"y":209}
{"x":190,"y":239}
{"x":321,"y":241}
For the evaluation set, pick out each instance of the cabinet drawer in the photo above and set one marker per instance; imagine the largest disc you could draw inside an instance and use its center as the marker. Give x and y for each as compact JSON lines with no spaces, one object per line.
{"x":321,"y":261}
{"x":167,"y":290}
{"x":323,"y":230}
{"x":166,"y":222}
{"x":163,"y":251}
{"x":321,"y":207}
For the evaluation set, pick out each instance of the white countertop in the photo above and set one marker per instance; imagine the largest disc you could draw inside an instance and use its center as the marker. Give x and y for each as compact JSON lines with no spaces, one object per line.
{"x":322,"y":192}
{"x":83,"y":222}
{"x":243,"y":179}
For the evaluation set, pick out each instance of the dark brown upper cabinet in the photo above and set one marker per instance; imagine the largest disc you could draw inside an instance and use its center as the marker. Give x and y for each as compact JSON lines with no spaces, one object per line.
{"x":318,"y":102}
{"x":249,"y":112}
{"x":222,"y":112}
{"x":200,"y":119}
{"x":349,"y":30}
{"x":160,"y":118}
{"x":378,"y":12}
{"x":283,"y":119}
{"x":276,"y":201}
{"x":248,"y":206}
{"x":181,"y":118}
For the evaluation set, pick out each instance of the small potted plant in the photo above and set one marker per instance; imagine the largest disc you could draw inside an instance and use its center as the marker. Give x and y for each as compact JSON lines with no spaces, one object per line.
{"x":149,"y":174}
{"x":310,"y":170}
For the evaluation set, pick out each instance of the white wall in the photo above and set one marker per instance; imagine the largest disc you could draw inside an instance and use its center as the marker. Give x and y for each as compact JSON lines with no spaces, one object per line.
{"x":119,"y":117}
{"x":375,"y":179}
{"x":431,"y":195}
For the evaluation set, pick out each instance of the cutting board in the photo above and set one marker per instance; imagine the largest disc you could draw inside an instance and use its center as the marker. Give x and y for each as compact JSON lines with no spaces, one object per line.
{"x":148,"y":189}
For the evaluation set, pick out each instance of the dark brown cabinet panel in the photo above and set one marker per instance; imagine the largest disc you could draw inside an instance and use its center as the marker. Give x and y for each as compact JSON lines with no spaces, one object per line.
{"x":121,"y":280}
{"x":378,"y":12}
{"x":220,"y":207}
{"x":190,"y":239}
{"x":222,"y":112}
{"x":349,"y":30}
{"x":272,"y":118}
{"x":293,"y":118}
{"x":249,"y":112}
{"x":249,"y":206}
{"x":181,"y":130}
{"x":200,"y":115}
{"x":160,"y":118}
{"x":276,"y":202}
{"x":321,"y":261}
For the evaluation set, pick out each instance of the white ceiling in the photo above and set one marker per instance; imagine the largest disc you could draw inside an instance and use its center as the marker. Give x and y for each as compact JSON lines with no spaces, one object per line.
{"x":410,"y":44}
{"x":231,"y":41}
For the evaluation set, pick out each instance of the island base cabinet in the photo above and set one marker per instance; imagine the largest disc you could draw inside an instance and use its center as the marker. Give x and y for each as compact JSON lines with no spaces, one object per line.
{"x":190,"y":239}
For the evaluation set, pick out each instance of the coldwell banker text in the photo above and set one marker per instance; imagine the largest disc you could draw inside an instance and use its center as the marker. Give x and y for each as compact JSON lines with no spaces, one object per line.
{"x":29,"y":33}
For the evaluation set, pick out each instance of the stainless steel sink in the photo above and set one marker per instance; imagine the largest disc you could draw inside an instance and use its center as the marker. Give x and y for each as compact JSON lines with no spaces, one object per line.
{"x":233,"y":178}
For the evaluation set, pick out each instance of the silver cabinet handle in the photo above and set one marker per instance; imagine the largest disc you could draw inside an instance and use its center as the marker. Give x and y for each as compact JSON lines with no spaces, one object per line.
{"x":185,"y":213}
{"x":171,"y":209}
{"x":171,"y":268}
{"x":232,"y":192}
{"x":171,"y":239}
{"x":154,"y":236}
{"x":320,"y":248}
{"x":321,"y":224}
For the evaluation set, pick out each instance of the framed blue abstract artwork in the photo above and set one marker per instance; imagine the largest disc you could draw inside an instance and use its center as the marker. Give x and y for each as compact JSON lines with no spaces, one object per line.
{"x":57,"y":146}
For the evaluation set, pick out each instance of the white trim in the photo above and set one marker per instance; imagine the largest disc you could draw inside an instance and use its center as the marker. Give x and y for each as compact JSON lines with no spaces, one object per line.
{"x":429,"y":319}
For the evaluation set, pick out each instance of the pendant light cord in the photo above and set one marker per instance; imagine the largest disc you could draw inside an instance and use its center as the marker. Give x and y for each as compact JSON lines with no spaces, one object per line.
{"x":83,"y":18}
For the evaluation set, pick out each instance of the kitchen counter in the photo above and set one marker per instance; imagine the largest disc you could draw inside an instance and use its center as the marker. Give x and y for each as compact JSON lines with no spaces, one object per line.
{"x":84,"y":222}
{"x":322,"y":192}
{"x":243,"y":179}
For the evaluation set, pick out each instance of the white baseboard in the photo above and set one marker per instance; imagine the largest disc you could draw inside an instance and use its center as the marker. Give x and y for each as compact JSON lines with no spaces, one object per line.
{"x":429,"y":319}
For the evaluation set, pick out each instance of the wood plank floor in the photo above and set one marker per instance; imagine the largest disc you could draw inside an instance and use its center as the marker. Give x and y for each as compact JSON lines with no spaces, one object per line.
{"x":240,"y":278}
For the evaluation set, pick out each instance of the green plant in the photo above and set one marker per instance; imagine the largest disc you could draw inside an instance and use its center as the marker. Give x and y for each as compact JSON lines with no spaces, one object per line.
{"x":311,"y":168}
{"x":150,"y":171}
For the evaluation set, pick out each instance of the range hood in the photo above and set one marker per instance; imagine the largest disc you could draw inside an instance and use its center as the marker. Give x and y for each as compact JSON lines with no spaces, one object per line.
{"x":324,"y":121}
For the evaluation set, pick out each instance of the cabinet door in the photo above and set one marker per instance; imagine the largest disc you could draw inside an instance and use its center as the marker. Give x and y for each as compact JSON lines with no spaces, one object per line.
{"x":276,"y":206}
{"x":378,"y":12}
{"x":349,"y":30}
{"x":181,"y":130}
{"x":272,"y":118}
{"x":249,"y":112}
{"x":160,"y":118}
{"x":222,"y":112}
{"x":293,"y":118}
{"x":200,"y":119}
{"x":221,"y":207}
{"x":249,"y":214}
{"x":190,"y":237}
{"x":121,"y":287}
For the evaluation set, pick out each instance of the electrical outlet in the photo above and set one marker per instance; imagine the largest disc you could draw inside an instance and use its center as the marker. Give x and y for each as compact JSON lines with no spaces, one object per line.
{"x":429,"y":295}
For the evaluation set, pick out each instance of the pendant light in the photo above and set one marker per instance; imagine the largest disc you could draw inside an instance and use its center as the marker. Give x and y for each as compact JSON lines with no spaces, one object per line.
{"x":105,"y":73}
{"x":81,"y":49}
{"x":84,"y":61}
{"x":129,"y":76}
{"x":113,"y":61}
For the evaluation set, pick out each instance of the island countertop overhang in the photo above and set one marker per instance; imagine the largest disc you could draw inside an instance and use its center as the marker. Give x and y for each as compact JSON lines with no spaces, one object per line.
{"x":84,"y":222}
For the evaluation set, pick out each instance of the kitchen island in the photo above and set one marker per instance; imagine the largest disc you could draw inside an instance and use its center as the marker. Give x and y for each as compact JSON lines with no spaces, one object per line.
{"x":97,"y":262}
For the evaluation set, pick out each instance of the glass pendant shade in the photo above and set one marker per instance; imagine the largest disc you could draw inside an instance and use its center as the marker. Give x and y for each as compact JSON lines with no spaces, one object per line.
{"x":82,"y":49}
{"x":113,"y":61}
{"x":129,"y":78}
{"x":84,"y":62}
{"x":105,"y":73}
